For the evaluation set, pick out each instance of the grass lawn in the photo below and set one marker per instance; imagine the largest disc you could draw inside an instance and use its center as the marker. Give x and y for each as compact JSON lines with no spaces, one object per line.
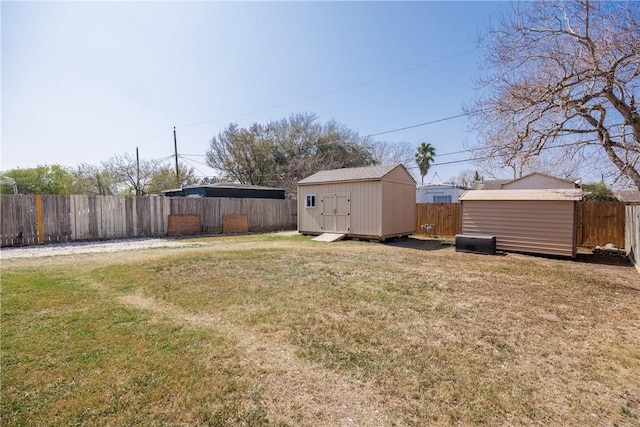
{"x":270,"y":330}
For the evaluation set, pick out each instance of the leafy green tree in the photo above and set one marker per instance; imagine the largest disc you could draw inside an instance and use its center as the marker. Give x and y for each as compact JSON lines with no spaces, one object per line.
{"x":165,"y":178}
{"x":425,"y":155}
{"x":598,"y":192}
{"x":243,"y":155}
{"x":282,"y":152}
{"x":45,"y":179}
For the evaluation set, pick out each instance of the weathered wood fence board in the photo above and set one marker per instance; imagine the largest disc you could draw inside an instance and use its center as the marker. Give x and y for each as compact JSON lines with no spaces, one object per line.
{"x":18,"y":220}
{"x":632,"y":234}
{"x":600,"y":223}
{"x":263,"y":214}
{"x":443,"y":219}
{"x":78,"y":217}
{"x":56,"y":218}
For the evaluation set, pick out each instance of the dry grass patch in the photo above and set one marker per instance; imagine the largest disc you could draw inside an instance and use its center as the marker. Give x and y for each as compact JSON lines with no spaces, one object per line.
{"x":285,"y":331}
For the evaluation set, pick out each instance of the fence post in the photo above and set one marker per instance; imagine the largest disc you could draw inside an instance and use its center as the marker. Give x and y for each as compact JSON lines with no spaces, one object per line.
{"x":39,"y":218}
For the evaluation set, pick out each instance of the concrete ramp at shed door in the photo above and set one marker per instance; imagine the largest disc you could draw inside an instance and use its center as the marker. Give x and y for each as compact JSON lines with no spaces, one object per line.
{"x":329,"y":237}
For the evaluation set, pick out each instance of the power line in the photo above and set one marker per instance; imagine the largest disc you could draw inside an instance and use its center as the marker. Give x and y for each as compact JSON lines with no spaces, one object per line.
{"x":190,"y":164}
{"x":183,"y":156}
{"x":155,"y":137}
{"x":330,"y":92}
{"x":392,"y":131}
{"x":569,"y":144}
{"x":162,"y":159}
{"x":473,"y":159}
{"x":440,"y":155}
{"x":362,"y":83}
{"x":470,"y":113}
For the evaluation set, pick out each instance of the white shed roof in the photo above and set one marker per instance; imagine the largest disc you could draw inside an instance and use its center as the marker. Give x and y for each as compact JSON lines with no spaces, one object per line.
{"x":555,"y":194}
{"x":365,"y":173}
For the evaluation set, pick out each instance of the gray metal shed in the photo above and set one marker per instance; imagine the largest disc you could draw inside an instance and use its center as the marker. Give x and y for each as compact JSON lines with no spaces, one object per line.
{"x":376,"y":202}
{"x":227,"y":189}
{"x":533,"y":221}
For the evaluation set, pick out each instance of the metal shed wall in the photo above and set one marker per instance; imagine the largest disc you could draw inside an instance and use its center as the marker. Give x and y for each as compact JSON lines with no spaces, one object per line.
{"x":533,"y":226}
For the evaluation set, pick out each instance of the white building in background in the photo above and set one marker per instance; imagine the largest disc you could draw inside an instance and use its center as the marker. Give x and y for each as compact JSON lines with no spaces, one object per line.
{"x":447,"y":192}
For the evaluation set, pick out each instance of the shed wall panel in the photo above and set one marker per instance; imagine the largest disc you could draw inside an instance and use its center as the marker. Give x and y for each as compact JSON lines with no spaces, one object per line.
{"x":400,"y":175}
{"x":544,"y":227}
{"x":399,"y":208}
{"x":365,"y":206}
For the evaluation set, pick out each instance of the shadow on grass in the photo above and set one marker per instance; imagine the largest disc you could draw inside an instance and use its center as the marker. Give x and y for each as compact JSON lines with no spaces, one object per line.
{"x":617,"y":259}
{"x":420,"y":244}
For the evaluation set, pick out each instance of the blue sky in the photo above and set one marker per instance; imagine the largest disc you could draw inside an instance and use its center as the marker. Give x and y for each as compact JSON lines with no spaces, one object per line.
{"x":83,"y":81}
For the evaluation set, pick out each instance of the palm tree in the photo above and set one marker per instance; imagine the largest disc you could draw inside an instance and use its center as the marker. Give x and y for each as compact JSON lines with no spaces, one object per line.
{"x":424,"y":156}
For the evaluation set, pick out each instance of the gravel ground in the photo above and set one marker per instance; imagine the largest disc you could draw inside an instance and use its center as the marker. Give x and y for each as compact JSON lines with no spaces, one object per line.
{"x":72,"y":248}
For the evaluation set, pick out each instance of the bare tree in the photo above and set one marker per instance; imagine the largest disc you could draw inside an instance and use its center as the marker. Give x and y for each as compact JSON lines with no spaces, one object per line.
{"x":130,"y":178}
{"x":391,"y":153}
{"x":467,"y":178}
{"x":551,"y":161}
{"x":562,"y":75}
{"x":94,"y":180}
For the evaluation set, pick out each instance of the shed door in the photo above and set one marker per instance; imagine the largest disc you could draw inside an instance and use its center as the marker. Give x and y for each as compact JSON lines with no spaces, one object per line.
{"x":336,"y":213}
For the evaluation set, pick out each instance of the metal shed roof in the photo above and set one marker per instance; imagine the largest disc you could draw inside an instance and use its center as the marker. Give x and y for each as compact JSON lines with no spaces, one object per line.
{"x":227,"y":189}
{"x":365,"y":173}
{"x":225,"y":185}
{"x":234,"y":186}
{"x":555,"y":194}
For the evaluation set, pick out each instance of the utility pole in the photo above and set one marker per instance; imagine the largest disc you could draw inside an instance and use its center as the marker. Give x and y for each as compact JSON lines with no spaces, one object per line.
{"x":175,"y":148}
{"x":137,"y":172}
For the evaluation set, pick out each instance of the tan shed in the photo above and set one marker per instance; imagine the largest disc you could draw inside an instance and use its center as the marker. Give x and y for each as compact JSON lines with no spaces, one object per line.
{"x":533,"y":221}
{"x":376,"y":202}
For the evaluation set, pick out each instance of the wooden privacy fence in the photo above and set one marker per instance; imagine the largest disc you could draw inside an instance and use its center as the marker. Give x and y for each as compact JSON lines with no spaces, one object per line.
{"x":438,"y":219}
{"x":29,"y":219}
{"x":263,"y":214}
{"x":599,"y":223}
{"x":19,"y":224}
